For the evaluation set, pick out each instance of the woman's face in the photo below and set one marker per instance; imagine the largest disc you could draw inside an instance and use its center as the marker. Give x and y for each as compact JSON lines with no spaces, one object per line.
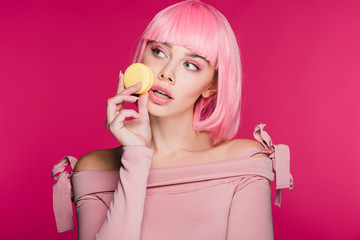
{"x":180,"y":78}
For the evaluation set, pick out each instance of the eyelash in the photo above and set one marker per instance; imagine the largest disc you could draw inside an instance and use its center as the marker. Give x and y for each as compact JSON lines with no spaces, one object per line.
{"x":197,"y":68}
{"x":155,"y":49}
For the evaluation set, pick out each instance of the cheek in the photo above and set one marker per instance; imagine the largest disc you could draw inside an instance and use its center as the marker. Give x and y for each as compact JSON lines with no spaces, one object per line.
{"x":152,"y":64}
{"x":195,"y":87}
{"x":145,"y":59}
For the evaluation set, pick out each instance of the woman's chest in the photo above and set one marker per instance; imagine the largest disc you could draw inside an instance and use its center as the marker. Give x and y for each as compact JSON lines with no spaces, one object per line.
{"x":188,"y":211}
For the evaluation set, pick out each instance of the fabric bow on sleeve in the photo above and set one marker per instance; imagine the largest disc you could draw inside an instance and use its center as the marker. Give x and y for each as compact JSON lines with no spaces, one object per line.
{"x":62,"y":194}
{"x":280,"y":156}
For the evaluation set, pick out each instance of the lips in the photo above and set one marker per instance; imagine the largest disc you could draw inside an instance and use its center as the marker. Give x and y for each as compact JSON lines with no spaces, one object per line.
{"x":162,"y":90}
{"x":160,"y":95}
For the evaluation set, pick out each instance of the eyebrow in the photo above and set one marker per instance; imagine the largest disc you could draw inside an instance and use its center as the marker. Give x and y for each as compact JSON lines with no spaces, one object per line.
{"x":187,"y":54}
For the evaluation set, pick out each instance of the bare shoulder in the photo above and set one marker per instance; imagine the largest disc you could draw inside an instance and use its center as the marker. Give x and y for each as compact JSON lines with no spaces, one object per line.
{"x":238,"y":146}
{"x":102,"y":160}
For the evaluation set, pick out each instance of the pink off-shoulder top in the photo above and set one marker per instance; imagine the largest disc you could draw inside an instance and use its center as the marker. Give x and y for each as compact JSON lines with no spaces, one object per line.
{"x":228,"y":199}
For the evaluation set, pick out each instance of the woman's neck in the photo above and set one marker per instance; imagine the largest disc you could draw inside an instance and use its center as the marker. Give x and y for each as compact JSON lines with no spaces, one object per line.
{"x":176,"y":133}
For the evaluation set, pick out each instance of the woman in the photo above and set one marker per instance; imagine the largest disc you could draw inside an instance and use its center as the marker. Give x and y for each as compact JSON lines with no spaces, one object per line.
{"x":177,"y":173}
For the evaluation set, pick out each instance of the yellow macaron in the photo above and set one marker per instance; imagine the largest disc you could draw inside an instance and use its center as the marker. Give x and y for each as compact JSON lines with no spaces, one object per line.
{"x":139,"y":72}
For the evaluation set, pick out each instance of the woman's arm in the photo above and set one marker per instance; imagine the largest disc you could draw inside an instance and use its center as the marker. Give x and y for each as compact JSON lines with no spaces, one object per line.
{"x":121,"y":219}
{"x":124,"y":217}
{"x":250,"y":214}
{"x":91,"y":212}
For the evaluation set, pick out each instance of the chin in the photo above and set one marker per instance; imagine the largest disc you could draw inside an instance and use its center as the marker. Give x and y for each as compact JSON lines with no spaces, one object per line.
{"x":158,"y":110}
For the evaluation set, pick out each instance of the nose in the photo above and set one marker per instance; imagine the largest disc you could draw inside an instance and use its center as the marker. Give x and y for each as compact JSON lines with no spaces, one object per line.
{"x":165,"y":74}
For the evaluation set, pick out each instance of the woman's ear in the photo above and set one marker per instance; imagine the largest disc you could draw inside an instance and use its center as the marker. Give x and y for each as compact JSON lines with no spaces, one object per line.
{"x":212,"y":87}
{"x":208,"y":92}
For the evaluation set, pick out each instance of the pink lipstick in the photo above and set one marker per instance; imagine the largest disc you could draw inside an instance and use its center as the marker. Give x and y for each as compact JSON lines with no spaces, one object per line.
{"x":160,"y":95}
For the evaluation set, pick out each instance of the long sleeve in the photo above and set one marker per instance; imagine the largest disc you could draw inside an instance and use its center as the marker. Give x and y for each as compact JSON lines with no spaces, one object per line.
{"x":124,"y":217}
{"x":91,"y":212}
{"x":250,"y":214}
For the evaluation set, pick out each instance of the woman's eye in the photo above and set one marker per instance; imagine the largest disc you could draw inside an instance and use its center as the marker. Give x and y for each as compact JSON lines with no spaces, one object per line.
{"x":158,"y":52}
{"x":191,"y":66}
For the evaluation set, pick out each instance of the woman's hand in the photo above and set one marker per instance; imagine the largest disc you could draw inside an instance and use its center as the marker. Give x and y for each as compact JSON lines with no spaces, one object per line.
{"x":128,"y":132}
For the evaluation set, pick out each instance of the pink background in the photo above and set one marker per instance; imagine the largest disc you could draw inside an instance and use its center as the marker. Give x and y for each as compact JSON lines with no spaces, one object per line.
{"x":59,"y":62}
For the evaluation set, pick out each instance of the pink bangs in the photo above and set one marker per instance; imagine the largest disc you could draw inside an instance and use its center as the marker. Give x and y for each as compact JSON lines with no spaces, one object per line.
{"x":203,"y":30}
{"x":189,"y":24}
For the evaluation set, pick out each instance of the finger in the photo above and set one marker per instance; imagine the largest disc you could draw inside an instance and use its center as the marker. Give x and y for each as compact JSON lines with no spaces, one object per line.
{"x":115,"y":105}
{"x":143,"y":104}
{"x":124,"y":98}
{"x":120,"y":87}
{"x":118,"y":122}
{"x":117,"y":99}
{"x":133,"y":89}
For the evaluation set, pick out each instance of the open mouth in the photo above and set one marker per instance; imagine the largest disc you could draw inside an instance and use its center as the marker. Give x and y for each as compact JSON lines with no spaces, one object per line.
{"x":161,"y":94}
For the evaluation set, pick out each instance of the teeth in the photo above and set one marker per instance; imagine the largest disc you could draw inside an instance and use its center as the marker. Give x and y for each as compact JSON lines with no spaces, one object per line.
{"x":161,"y":94}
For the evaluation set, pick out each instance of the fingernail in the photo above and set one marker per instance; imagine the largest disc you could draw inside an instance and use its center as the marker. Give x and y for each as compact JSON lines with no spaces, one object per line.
{"x":120,"y":74}
{"x":137,"y":84}
{"x":134,"y":97}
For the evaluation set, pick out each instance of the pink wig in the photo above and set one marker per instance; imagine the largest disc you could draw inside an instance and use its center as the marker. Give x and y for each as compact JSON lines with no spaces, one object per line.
{"x":203,"y":30}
